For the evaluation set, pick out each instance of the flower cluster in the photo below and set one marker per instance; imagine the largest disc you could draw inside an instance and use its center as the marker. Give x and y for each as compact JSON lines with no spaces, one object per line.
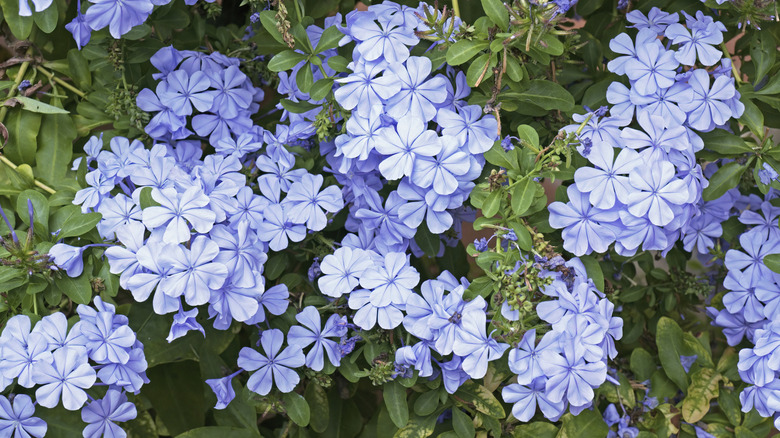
{"x":644,"y":189}
{"x":205,"y":93}
{"x":118,"y":16}
{"x":560,"y":368}
{"x":63,"y":364}
{"x":752,"y":299}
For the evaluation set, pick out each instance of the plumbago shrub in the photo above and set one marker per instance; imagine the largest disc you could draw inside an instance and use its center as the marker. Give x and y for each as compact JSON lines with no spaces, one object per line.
{"x":322,"y":218}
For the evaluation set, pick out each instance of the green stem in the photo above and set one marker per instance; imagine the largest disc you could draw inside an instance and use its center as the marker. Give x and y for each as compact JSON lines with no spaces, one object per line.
{"x":18,"y":80}
{"x":297,"y":10}
{"x":54,"y":78}
{"x":582,"y":125}
{"x":456,"y":8}
{"x":39,"y":184}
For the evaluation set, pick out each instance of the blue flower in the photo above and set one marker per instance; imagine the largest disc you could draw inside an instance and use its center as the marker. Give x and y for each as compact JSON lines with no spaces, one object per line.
{"x":183,"y":322}
{"x":185,"y":91}
{"x":363,"y":89}
{"x":696,"y":43}
{"x":475,"y":346}
{"x":79,"y":27}
{"x":223,"y":389}
{"x":176,"y":210}
{"x":419,"y":96}
{"x":571,"y":378}
{"x":653,"y":68}
{"x":750,"y":261}
{"x":68,"y":258}
{"x":276,"y":366}
{"x":119,"y":16}
{"x":368,"y":315}
{"x":231,"y":96}
{"x":17,"y":420}
{"x":403,"y":144}
{"x":478,"y":132}
{"x":707,"y":107}
{"x":386,"y":40}
{"x":277,"y":228}
{"x":442,"y":170}
{"x":105,"y":342}
{"x":392,"y":281}
{"x":607,"y":183}
{"x":66,"y":378}
{"x":767,"y":174}
{"x":342,"y":271}
{"x":526,"y":398}
{"x":193,"y":272}
{"x":274,"y":300}
{"x":582,"y":223}
{"x":656,"y":190}
{"x":656,"y":20}
{"x":311,"y":333}
{"x":102,"y":415}
{"x":363,"y":131}
{"x":306,"y":202}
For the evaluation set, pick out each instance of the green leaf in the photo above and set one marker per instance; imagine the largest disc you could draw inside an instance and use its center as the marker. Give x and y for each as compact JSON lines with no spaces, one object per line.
{"x":39,"y":204}
{"x":496,"y":11}
{"x":36,"y":106}
{"x":176,"y":392}
{"x":275,"y":266}
{"x":771,"y":87}
{"x":427,"y":241}
{"x":545,"y":94}
{"x":462,"y":423}
{"x":528,"y":135}
{"x":588,"y":424}
{"x":71,"y":222}
{"x":297,"y":408}
{"x":297,"y":107}
{"x":703,"y":388}
{"x":329,"y":39}
{"x":463,"y":50}
{"x":523,"y":195}
{"x":498,"y":156}
{"x":642,"y":364}
{"x":772,"y":261}
{"x":727,"y":177}
{"x":268,"y":20}
{"x":46,"y":20}
{"x":23,"y":127}
{"x":395,"y":400}
{"x":728,"y":401}
{"x":55,"y":147}
{"x":145,"y":198}
{"x":20,"y":26}
{"x":493,"y":203}
{"x":61,"y":422}
{"x":285,"y":61}
{"x":318,"y":402}
{"x":535,"y":430}
{"x":321,"y":89}
{"x":9,"y":277}
{"x":513,"y":69}
{"x":305,"y":78}
{"x":482,"y":399}
{"x":338,"y":63}
{"x":417,"y":427}
{"x":753,"y":118}
{"x":763,"y":52}
{"x":77,"y":289}
{"x":743,"y":432}
{"x":216,"y":431}
{"x":79,"y":69}
{"x":669,"y":338}
{"x":426,"y":403}
{"x":481,"y":286}
{"x":723,"y":142}
{"x":593,"y":268}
